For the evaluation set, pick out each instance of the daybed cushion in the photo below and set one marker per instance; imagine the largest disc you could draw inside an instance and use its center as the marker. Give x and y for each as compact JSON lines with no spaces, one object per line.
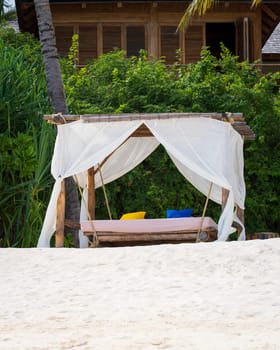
{"x":133,"y":216}
{"x":183,"y":213}
{"x":192,"y":224}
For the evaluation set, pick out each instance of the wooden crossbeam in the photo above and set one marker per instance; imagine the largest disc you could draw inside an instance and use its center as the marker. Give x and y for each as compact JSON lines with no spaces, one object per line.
{"x":235,"y":119}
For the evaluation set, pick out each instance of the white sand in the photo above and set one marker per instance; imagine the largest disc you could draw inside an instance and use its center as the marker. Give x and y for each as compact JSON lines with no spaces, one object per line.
{"x":220,"y":296}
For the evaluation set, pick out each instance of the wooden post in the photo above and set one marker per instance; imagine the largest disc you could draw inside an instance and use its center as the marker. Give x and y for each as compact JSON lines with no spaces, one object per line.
{"x":225,"y":194}
{"x":91,"y":194}
{"x":240,"y":214}
{"x":99,"y":39}
{"x":60,"y":217}
{"x":153,"y":33}
{"x":239,"y":211}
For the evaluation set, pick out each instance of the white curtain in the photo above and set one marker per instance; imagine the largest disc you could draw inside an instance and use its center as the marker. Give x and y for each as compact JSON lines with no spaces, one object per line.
{"x":78,"y":147}
{"x":207,"y":151}
{"x":122,"y":160}
{"x":204,"y":151}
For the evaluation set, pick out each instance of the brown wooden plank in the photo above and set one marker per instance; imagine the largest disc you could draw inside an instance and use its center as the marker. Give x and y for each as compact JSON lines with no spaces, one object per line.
{"x":240,"y":214}
{"x":236,"y":119}
{"x":60,"y":217}
{"x":147,"y":233}
{"x":96,"y":118}
{"x":122,"y":238}
{"x":91,"y":194}
{"x":225,"y":194}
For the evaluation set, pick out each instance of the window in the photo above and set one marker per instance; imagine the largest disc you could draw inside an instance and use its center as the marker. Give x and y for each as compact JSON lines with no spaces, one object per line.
{"x":193,"y":43}
{"x":169,"y":41}
{"x":111,"y":38}
{"x":63,"y":39}
{"x":135,"y":40}
{"x":220,"y":32}
{"x":87,"y":43}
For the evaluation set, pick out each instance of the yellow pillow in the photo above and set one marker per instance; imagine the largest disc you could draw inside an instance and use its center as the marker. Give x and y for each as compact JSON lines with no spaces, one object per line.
{"x":133,"y":216}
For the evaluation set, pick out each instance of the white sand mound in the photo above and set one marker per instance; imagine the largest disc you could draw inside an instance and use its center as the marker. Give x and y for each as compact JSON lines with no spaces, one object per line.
{"x":220,"y":296}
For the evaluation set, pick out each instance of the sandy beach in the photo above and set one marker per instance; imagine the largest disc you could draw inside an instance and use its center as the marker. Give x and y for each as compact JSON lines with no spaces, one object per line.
{"x":220,"y":296}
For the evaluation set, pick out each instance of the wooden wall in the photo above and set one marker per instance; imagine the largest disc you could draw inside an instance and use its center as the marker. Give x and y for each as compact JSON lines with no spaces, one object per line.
{"x":152,"y":26}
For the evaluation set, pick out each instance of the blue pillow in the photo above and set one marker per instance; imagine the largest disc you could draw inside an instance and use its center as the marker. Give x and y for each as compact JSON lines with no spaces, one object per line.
{"x":183,"y":213}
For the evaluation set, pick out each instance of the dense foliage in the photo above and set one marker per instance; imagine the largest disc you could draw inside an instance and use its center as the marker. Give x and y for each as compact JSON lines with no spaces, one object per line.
{"x":25,"y":143}
{"x":116,"y":84}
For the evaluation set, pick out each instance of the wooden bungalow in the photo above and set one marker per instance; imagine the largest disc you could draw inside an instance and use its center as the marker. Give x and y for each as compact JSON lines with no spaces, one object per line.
{"x":151,"y":25}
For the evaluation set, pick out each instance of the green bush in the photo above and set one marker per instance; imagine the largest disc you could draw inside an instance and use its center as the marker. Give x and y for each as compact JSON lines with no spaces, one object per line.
{"x":25,"y":143}
{"x":115,"y":84}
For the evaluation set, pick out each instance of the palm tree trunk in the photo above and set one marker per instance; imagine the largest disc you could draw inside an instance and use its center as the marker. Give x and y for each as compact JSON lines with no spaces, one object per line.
{"x":50,"y":57}
{"x":57,"y":96}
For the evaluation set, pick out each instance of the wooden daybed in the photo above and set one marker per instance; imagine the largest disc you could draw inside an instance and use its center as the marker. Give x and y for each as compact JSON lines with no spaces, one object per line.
{"x":87,"y":134}
{"x":150,"y":231}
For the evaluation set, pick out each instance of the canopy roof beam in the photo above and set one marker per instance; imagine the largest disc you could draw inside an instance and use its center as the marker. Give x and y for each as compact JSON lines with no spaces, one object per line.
{"x":237,"y":120}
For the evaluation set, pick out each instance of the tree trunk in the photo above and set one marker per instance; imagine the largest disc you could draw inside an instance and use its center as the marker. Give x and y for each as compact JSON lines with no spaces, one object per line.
{"x":50,"y":57}
{"x":57,"y":96}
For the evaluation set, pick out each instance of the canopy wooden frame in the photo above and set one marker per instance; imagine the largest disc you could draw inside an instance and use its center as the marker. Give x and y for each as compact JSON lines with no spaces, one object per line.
{"x":235,"y":119}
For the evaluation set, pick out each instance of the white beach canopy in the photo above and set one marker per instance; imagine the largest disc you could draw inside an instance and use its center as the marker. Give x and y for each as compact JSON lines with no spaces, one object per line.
{"x":204,"y":150}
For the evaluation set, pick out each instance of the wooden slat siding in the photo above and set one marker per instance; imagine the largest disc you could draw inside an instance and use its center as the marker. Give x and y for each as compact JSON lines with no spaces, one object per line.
{"x":87,"y":43}
{"x":135,"y":40}
{"x":155,"y":14}
{"x":193,"y":43}
{"x":111,"y":38}
{"x":169,"y":43}
{"x":63,"y":36}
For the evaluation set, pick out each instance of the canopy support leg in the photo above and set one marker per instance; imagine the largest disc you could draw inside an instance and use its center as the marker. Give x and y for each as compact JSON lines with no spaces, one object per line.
{"x":225,"y":194}
{"x":104,"y":192}
{"x":239,"y":212}
{"x":95,"y":238}
{"x":91,"y":194}
{"x":203,"y":214}
{"x":60,"y":218}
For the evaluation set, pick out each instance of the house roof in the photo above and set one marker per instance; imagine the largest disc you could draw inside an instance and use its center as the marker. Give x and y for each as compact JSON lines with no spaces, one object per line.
{"x":272,"y":45}
{"x":14,"y":25}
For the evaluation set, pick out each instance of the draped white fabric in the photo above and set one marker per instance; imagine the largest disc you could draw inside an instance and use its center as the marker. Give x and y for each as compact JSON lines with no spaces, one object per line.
{"x":122,"y":160}
{"x":205,"y":151}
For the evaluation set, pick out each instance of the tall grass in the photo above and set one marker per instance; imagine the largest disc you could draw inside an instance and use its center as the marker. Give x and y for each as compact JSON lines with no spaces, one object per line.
{"x":25,"y":142}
